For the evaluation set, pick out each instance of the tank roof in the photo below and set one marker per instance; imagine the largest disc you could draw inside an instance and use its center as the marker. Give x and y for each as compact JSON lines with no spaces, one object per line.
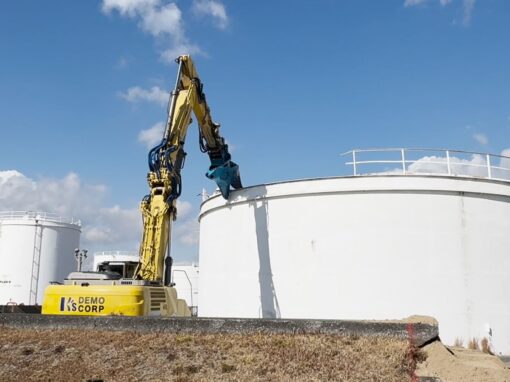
{"x":38,"y":215}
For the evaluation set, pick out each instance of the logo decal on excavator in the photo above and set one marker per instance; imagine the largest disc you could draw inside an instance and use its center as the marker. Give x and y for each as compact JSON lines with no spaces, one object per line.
{"x":70,"y":305}
{"x":84,"y":304}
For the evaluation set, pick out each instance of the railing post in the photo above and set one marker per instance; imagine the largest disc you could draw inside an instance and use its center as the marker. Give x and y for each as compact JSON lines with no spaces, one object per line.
{"x":448,"y":162}
{"x":354,"y":162}
{"x":489,"y":170}
{"x":403,"y":161}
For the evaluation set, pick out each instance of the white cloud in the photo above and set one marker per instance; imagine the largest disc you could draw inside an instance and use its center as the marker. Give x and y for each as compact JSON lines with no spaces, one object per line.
{"x":231,"y":146}
{"x":468,"y":6}
{"x":169,"y":55}
{"x":212,"y":8}
{"x":184,"y":209}
{"x":113,"y":226}
{"x":62,"y":196}
{"x":129,"y":8}
{"x":187,"y":233}
{"x":504,"y":163}
{"x":164,"y":21}
{"x":70,"y":197}
{"x":154,"y":94}
{"x":481,"y":138}
{"x":152,"y":136}
{"x":475,"y":166}
{"x":410,"y":3}
{"x":122,"y":63}
{"x":9,"y":175}
{"x":103,"y":227}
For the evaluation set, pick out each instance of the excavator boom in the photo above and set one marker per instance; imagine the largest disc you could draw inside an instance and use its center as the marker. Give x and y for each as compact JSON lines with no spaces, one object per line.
{"x":149,"y":292}
{"x":166,"y":161}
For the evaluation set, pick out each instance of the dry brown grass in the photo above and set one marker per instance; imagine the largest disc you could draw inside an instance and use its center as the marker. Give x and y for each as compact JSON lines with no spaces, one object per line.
{"x":459,"y":342}
{"x":63,"y":355}
{"x":473,"y":344}
{"x":486,"y":347}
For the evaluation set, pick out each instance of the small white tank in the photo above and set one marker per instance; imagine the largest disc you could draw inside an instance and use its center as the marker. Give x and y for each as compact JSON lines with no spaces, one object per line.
{"x":36,"y":248}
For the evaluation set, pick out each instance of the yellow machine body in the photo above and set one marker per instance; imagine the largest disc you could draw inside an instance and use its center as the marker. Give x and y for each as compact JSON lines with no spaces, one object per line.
{"x":119,"y":300}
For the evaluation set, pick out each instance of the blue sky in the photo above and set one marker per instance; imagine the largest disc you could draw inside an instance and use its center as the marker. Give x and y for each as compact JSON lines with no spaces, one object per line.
{"x":293,"y":83}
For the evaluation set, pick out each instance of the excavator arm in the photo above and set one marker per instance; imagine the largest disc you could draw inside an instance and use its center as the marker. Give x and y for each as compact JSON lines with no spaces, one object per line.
{"x":166,"y":161}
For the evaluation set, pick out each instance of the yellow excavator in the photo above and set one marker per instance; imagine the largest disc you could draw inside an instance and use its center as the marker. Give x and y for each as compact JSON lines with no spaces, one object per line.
{"x":149,"y":291}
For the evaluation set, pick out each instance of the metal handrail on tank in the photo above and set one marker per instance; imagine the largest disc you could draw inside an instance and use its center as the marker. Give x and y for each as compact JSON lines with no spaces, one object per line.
{"x":38,"y":215}
{"x":443,"y":162}
{"x":189,"y":282}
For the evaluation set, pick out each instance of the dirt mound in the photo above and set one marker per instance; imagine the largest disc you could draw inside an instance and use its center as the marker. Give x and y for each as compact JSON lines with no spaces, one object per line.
{"x":421,"y":319}
{"x":458,"y":364}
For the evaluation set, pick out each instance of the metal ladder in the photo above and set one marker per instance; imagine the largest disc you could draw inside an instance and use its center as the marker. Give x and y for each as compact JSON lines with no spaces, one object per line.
{"x":36,"y":259}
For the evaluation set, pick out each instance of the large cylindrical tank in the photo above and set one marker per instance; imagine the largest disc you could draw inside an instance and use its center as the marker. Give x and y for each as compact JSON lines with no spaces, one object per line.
{"x":35,"y":249}
{"x":363,"y":247}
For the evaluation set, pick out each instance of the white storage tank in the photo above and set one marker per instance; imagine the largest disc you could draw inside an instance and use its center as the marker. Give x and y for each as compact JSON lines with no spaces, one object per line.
{"x":365,"y":247}
{"x":36,"y":248}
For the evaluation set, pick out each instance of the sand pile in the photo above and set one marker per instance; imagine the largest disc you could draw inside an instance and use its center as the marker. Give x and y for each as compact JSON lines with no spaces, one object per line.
{"x":459,"y":364}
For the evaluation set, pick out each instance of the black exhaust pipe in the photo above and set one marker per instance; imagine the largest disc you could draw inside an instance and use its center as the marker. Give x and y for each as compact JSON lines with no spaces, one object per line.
{"x":167,"y":281}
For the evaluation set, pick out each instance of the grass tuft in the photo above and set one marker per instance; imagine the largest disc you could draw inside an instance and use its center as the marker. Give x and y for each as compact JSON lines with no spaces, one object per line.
{"x":226,"y":368}
{"x":59,"y":349}
{"x":473,"y":344}
{"x":27,"y":351}
{"x":486,"y":346}
{"x":171,"y":357}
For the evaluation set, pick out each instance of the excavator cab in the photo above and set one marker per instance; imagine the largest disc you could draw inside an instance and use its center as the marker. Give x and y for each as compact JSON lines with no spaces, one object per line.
{"x":125,"y":269}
